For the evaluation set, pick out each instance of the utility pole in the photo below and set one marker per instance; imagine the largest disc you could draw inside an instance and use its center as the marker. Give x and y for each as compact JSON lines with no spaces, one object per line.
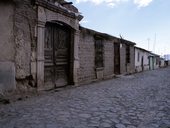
{"x":148,"y":43}
{"x":154,"y":44}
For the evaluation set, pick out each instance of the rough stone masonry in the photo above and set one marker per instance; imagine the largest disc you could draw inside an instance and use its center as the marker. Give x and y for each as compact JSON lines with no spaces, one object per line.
{"x":136,"y":101}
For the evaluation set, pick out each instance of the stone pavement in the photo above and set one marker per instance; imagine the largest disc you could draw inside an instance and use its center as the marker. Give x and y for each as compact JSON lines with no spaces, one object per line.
{"x":137,"y":101}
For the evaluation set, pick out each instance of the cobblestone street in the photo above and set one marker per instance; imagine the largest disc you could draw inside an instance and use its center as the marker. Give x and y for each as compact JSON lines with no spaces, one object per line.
{"x":137,"y":101}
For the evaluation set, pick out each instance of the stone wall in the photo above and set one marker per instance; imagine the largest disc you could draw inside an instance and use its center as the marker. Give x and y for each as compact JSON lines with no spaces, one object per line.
{"x":7,"y":77}
{"x":87,"y":71}
{"x":108,"y":58}
{"x":123,"y":59}
{"x":7,"y":47}
{"x":18,"y":42}
{"x":132,"y":60}
{"x":126,"y":68}
{"x":24,"y":29}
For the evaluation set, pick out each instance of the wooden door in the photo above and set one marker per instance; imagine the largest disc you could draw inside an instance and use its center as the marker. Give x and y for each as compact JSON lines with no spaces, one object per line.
{"x":116,"y":58}
{"x":57,"y":57}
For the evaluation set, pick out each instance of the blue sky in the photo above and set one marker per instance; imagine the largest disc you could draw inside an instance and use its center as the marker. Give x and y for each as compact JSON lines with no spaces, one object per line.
{"x":140,"y":21}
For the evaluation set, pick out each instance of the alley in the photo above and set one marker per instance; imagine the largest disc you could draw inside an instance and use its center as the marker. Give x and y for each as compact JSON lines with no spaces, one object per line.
{"x":140,"y":100}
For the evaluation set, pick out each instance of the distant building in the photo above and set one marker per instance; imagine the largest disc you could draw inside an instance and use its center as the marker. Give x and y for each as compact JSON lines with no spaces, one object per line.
{"x":141,"y":59}
{"x":162,"y":62}
{"x":153,"y":61}
{"x":167,"y":57}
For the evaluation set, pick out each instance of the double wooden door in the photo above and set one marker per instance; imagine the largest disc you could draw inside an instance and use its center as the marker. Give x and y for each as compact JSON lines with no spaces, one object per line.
{"x":57,"y":55}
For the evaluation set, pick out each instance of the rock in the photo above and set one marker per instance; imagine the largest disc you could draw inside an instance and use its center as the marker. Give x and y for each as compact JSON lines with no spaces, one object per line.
{"x":85,"y":115}
{"x":120,"y":126}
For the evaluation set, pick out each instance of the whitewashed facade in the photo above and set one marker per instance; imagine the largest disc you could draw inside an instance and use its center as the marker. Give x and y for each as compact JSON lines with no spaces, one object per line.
{"x":154,"y":61}
{"x":141,"y":59}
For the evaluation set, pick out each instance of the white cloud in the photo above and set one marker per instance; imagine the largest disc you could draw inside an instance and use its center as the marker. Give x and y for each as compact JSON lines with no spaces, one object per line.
{"x":112,"y":3}
{"x":142,"y":3}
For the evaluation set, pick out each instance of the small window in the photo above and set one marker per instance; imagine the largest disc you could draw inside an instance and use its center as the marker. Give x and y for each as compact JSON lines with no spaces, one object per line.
{"x":127,"y":54}
{"x":98,"y":53}
{"x":138,"y":56}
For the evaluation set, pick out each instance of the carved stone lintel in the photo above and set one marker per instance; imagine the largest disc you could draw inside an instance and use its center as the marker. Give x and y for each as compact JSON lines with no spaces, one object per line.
{"x":59,"y":9}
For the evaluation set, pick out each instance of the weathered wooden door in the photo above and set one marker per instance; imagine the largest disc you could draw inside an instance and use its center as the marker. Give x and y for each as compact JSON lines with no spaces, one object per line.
{"x":116,"y":58}
{"x":57,"y":57}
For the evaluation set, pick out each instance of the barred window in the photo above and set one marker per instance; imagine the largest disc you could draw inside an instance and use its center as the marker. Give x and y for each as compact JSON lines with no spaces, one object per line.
{"x":127,"y":54}
{"x":98,"y":53}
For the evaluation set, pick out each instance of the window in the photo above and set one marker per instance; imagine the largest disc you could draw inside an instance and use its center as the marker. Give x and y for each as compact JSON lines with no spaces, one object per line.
{"x":98,"y":53}
{"x":138,"y":56}
{"x":127,"y":54}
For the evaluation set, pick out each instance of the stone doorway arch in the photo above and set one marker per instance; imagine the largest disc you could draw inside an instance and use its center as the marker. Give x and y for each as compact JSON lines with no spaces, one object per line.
{"x":58,"y":65}
{"x":49,"y":13}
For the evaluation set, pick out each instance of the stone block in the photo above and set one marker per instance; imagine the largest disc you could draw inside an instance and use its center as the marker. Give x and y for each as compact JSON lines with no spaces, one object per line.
{"x":7,"y":76}
{"x":99,"y":73}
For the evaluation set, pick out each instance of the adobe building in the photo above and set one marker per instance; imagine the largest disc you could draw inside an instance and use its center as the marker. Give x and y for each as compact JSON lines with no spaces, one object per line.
{"x":141,"y":59}
{"x":153,"y":61}
{"x":103,"y":56}
{"x":43,"y":46}
{"x":39,"y":44}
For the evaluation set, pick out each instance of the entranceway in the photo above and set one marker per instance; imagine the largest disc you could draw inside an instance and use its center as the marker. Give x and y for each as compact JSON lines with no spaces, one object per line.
{"x":116,"y":58}
{"x":57,"y":55}
{"x":142,"y":65}
{"x":151,"y":62}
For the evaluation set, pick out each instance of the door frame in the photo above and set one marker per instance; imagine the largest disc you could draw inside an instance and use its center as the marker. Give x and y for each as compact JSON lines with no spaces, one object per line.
{"x":117,"y":71}
{"x":48,"y":13}
{"x":142,"y":63}
{"x":69,"y":73}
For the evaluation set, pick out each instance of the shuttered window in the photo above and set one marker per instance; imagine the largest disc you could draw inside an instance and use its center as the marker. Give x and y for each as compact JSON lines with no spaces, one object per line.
{"x":138,"y":56}
{"x":98,"y":53}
